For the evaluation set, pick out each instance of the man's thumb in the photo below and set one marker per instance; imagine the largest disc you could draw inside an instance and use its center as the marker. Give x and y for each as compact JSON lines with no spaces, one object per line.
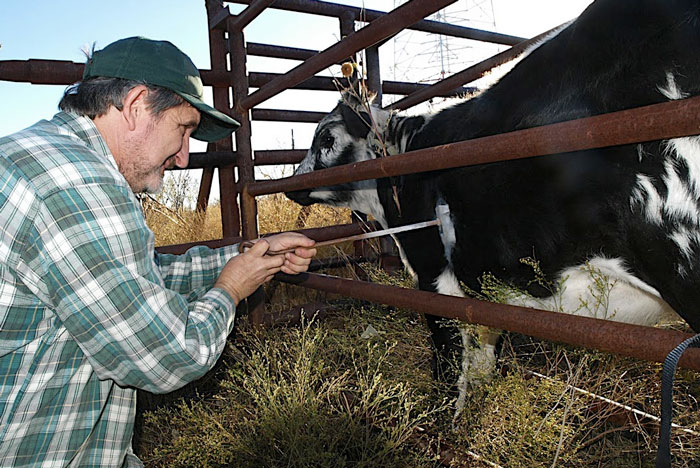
{"x":260,"y":247}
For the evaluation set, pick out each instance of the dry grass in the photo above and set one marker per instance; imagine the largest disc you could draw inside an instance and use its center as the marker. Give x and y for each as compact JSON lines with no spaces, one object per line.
{"x":322,"y":395}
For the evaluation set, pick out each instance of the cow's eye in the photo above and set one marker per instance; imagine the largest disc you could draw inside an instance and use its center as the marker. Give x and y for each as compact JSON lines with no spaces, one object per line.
{"x":327,"y":141}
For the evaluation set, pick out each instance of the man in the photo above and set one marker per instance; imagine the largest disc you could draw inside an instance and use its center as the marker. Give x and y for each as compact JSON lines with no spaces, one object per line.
{"x":88,"y":311}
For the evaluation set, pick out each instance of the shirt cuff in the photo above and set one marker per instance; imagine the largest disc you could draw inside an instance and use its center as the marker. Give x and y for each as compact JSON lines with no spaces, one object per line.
{"x":224,"y":301}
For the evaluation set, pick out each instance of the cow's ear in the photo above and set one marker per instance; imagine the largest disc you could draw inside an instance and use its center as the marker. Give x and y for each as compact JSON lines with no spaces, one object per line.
{"x":357,"y":123}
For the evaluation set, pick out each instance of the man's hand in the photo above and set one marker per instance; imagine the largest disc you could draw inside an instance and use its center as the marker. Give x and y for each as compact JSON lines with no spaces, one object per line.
{"x":299,"y":260}
{"x":247,"y":271}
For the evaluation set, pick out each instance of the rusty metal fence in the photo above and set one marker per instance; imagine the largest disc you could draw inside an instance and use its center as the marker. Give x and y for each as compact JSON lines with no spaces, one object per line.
{"x":236,"y":164}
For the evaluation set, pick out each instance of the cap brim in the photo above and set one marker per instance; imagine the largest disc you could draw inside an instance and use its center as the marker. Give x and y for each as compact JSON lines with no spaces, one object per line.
{"x":214,"y":125}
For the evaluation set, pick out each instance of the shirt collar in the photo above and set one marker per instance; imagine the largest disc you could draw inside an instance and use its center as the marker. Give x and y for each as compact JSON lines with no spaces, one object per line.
{"x":85,"y":129}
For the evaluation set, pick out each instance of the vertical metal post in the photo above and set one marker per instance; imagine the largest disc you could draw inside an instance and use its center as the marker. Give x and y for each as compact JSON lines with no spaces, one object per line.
{"x":361,"y":248}
{"x":230,"y":217}
{"x":374,"y":78}
{"x":387,"y":249}
{"x":205,"y":187}
{"x":244,"y":150}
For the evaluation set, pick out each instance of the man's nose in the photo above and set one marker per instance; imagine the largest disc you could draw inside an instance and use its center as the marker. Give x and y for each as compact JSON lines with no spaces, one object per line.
{"x":182,"y":157}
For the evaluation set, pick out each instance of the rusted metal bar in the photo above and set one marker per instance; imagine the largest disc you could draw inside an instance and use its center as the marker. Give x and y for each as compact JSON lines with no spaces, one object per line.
{"x":212,"y":159}
{"x":277,"y":115}
{"x":230,"y":211}
{"x":399,"y":87}
{"x":333,"y":232}
{"x":646,"y":343}
{"x":365,"y":15}
{"x":227,"y":158}
{"x":243,"y":19}
{"x":377,"y":30}
{"x":217,"y":15}
{"x":255,"y":303}
{"x":320,"y":83}
{"x":274,"y":51}
{"x":178,"y":249}
{"x":230,"y":217}
{"x":244,"y":148}
{"x":274,"y":157}
{"x":60,"y":72}
{"x":655,"y":122}
{"x":469,"y":74}
{"x":317,"y":83}
{"x":374,"y":77}
{"x":205,"y":189}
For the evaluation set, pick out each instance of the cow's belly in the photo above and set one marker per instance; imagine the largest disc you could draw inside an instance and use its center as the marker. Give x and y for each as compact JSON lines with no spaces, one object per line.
{"x":602,"y":288}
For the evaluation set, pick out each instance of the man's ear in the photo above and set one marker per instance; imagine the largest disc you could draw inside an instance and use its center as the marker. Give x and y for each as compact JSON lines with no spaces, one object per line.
{"x":358,"y":124}
{"x":134,"y":106}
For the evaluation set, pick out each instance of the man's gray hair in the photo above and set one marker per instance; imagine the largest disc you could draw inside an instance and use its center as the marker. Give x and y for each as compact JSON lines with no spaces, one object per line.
{"x":94,"y":96}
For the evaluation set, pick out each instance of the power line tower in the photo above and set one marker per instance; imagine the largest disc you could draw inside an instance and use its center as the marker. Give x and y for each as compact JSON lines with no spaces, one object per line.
{"x":426,"y":58}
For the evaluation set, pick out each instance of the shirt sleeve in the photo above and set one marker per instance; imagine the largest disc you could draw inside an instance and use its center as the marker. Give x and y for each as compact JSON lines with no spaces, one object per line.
{"x":98,"y":271}
{"x":194,"y":271}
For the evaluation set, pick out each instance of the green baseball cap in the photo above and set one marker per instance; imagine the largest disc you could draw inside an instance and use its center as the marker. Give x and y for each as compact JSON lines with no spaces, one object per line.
{"x":162,"y":64}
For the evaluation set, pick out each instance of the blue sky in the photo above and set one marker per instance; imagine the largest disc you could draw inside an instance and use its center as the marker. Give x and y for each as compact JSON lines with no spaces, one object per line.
{"x":60,"y":29}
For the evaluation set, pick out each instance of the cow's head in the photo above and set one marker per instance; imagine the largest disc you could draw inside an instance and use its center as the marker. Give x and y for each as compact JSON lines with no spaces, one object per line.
{"x":342,"y":138}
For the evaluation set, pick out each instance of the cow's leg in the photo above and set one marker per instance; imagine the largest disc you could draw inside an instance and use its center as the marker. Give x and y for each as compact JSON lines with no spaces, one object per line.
{"x":478,"y":350}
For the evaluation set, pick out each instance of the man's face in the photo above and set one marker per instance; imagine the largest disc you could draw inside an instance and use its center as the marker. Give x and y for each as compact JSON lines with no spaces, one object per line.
{"x":157,"y":144}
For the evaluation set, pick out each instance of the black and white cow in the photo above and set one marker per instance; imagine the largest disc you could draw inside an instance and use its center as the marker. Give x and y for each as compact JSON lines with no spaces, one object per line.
{"x":631,"y":213}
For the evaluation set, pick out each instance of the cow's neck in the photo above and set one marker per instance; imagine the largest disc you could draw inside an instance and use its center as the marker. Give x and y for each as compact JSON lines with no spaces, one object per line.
{"x":394,"y":137}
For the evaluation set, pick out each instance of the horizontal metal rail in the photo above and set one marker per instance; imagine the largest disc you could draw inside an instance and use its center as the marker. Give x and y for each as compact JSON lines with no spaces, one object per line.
{"x":365,"y":15}
{"x":646,"y":343}
{"x":35,"y":71}
{"x":379,"y":29}
{"x":63,"y":72}
{"x":655,"y":122}
{"x":322,"y":83}
{"x":318,"y":234}
{"x":277,"y":115}
{"x":274,"y":157}
{"x":201,"y":160}
{"x":178,"y":249}
{"x":275,"y":51}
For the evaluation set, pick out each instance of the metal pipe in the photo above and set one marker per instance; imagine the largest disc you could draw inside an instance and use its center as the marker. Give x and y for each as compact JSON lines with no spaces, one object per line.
{"x":374,"y":77}
{"x":277,"y":115}
{"x":274,"y":51}
{"x":646,"y":343}
{"x":212,"y":159}
{"x":205,"y":185}
{"x":61,"y":72}
{"x":655,"y":122}
{"x":217,"y":14}
{"x":365,"y":15}
{"x":243,"y":19}
{"x":244,"y":149}
{"x":230,"y":210}
{"x":227,"y":158}
{"x":274,"y":157}
{"x":35,"y":71}
{"x":321,"y":83}
{"x":178,"y":249}
{"x":385,"y":26}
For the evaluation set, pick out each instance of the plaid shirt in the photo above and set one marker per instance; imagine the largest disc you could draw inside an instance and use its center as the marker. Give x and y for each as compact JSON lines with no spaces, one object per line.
{"x":88,"y":310}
